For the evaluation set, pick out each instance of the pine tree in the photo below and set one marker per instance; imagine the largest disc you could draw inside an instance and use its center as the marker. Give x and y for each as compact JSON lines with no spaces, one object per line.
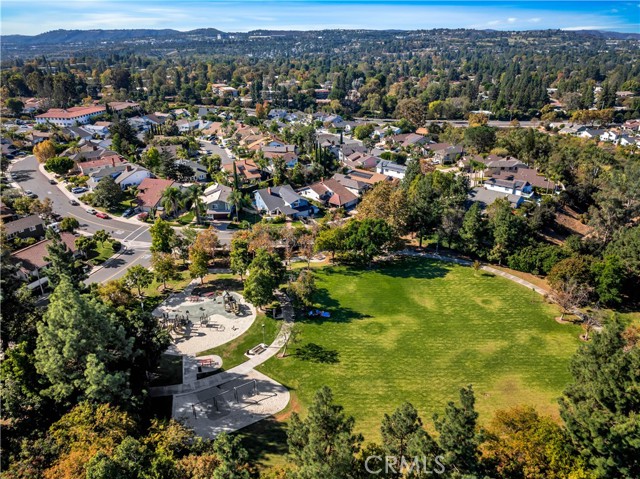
{"x":62,"y":263}
{"x":601,"y":408}
{"x":323,"y":445}
{"x":80,"y":348}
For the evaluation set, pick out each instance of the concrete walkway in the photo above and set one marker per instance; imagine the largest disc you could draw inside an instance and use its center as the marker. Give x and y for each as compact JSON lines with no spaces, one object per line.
{"x":233,"y":399}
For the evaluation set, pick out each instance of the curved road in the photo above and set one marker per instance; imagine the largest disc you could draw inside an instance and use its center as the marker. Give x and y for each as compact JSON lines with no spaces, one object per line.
{"x":135,"y":238}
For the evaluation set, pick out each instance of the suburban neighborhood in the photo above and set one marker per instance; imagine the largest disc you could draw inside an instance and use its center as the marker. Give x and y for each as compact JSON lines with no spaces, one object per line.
{"x":320,"y":254}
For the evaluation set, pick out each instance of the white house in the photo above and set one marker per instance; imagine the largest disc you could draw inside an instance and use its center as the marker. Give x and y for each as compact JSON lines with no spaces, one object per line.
{"x":510,"y":187}
{"x":77,"y":115}
{"x":132,"y":176}
{"x":391,"y":169}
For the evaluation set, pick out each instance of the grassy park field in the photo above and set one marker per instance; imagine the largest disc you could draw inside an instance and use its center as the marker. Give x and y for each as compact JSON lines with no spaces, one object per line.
{"x":418,"y":330}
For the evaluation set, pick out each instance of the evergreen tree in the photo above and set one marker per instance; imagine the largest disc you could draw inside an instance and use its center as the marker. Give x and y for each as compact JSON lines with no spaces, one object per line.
{"x":601,"y":408}
{"x":458,"y":437}
{"x":323,"y":445}
{"x":62,"y":263}
{"x":79,"y":347}
{"x":162,"y":236}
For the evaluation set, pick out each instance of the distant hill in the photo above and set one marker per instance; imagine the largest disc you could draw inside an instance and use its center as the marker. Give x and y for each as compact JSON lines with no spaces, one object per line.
{"x":98,"y":36}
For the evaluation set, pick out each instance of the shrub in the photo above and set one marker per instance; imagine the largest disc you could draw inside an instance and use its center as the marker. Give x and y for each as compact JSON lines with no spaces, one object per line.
{"x":116,"y":245}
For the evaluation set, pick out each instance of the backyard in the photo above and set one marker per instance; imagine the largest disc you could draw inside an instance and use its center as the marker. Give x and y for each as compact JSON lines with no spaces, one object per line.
{"x":418,"y":330}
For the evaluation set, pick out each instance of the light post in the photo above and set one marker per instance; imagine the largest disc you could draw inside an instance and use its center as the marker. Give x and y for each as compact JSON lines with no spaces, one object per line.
{"x":263,"y":338}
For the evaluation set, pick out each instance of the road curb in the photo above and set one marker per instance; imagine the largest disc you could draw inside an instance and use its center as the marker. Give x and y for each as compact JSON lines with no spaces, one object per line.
{"x":71,"y":196}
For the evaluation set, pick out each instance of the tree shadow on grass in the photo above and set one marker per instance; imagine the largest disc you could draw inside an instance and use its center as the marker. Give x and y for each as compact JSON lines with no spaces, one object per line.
{"x":266,"y":437}
{"x":420,"y":268}
{"x":337,"y":312}
{"x":315,"y":353}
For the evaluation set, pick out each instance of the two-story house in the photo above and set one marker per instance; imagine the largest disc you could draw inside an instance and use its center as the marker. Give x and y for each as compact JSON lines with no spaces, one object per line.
{"x":283,"y":200}
{"x":216,"y":199}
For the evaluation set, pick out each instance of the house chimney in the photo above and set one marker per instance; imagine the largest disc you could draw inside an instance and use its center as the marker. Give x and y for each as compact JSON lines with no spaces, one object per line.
{"x":268,"y":189}
{"x":128,"y":168}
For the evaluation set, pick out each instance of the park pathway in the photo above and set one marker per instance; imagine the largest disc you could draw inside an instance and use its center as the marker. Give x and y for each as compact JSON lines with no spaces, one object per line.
{"x":193,"y":401}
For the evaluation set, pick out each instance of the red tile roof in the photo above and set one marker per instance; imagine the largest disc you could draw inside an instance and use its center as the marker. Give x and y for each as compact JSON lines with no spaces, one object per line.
{"x":74,"y":112}
{"x":150,"y":191}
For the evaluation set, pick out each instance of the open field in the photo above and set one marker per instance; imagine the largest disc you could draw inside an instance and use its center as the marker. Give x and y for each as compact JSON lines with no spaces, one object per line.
{"x":418,"y":330}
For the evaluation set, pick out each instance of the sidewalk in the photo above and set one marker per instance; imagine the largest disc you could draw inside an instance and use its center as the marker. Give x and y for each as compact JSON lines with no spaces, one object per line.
{"x":71,"y":196}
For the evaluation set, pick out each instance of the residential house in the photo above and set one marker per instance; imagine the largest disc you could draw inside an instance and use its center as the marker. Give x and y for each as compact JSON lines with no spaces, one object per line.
{"x":200,"y":172}
{"x":486,"y":197}
{"x":591,"y":133}
{"x":39,"y":136}
{"x":510,"y":186}
{"x":101,"y":131}
{"x":287,"y":153}
{"x":120,"y":106}
{"x":445,"y":153}
{"x":75,"y":132}
{"x":358,"y":181}
{"x":496,"y":164}
{"x":216,"y":199}
{"x":155,"y":119}
{"x":104,"y":172}
{"x":331,"y":193}
{"x":389,"y":168}
{"x":222,"y":89}
{"x":361,"y":160}
{"x":247,"y":171}
{"x":150,"y":192}
{"x":283,"y":200}
{"x":89,"y":167}
{"x":132,"y":176}
{"x":6,"y":214}
{"x":529,"y":176}
{"x":30,"y":226}
{"x":77,"y":115}
{"x":31,"y":260}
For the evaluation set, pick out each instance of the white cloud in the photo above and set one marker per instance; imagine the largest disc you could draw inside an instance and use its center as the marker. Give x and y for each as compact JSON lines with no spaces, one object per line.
{"x":511,"y":19}
{"x":535,"y":20}
{"x":585,"y":27}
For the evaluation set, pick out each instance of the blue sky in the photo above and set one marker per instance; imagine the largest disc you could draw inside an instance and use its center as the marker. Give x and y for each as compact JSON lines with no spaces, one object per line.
{"x":36,"y":16}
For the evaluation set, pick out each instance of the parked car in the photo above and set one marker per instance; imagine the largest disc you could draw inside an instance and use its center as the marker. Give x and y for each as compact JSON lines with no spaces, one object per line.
{"x":78,"y":189}
{"x":129,"y":212}
{"x":30,"y":194}
{"x":73,"y":202}
{"x":91,"y":211}
{"x":53,"y":182}
{"x":102,"y":215}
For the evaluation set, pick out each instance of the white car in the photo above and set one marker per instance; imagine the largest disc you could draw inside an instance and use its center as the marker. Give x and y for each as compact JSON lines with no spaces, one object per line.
{"x":91,"y":211}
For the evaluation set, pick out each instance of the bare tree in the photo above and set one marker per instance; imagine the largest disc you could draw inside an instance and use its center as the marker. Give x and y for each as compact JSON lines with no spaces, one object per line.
{"x":571,"y":295}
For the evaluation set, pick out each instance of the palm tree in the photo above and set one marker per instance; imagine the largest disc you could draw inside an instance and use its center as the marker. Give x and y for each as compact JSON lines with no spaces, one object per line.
{"x":171,"y":200}
{"x":132,"y":190}
{"x":192,"y":197}
{"x":235,"y":197}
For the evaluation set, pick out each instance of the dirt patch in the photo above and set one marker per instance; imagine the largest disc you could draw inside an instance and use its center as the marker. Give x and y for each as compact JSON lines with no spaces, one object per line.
{"x":293,"y":406}
{"x":569,"y":219}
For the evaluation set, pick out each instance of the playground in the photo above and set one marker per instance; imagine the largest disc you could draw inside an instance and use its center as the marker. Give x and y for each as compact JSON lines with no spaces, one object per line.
{"x":199,"y":321}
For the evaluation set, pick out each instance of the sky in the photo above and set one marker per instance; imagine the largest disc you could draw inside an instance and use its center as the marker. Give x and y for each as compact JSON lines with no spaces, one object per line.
{"x":30,"y":17}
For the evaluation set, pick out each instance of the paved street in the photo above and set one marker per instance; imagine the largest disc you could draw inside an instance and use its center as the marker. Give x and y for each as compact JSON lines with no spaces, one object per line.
{"x":135,"y":238}
{"x":29,"y":177}
{"x":213,"y":149}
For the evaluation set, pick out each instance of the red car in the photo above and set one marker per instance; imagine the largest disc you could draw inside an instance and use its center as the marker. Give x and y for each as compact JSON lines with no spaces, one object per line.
{"x":102,"y":215}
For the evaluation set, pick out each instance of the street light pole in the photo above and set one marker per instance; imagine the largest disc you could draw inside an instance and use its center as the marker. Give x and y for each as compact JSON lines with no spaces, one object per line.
{"x":263,"y":338}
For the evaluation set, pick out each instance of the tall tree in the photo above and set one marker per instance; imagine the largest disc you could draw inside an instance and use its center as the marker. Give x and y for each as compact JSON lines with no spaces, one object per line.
{"x":162,"y":236}
{"x":62,"y":262}
{"x":138,"y":277}
{"x":458,"y":436}
{"x":323,"y":444}
{"x":164,"y":267}
{"x":81,"y":349}
{"x":601,"y":408}
{"x":266,"y":272}
{"x":107,"y":193}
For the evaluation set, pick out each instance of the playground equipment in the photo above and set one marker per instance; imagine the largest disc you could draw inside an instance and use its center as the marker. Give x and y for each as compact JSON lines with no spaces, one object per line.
{"x":230,"y":303}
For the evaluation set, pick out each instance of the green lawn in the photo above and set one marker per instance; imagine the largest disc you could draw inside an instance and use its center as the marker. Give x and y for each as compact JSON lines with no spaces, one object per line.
{"x":418,"y":330}
{"x":232,"y":353}
{"x":102,"y":253}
